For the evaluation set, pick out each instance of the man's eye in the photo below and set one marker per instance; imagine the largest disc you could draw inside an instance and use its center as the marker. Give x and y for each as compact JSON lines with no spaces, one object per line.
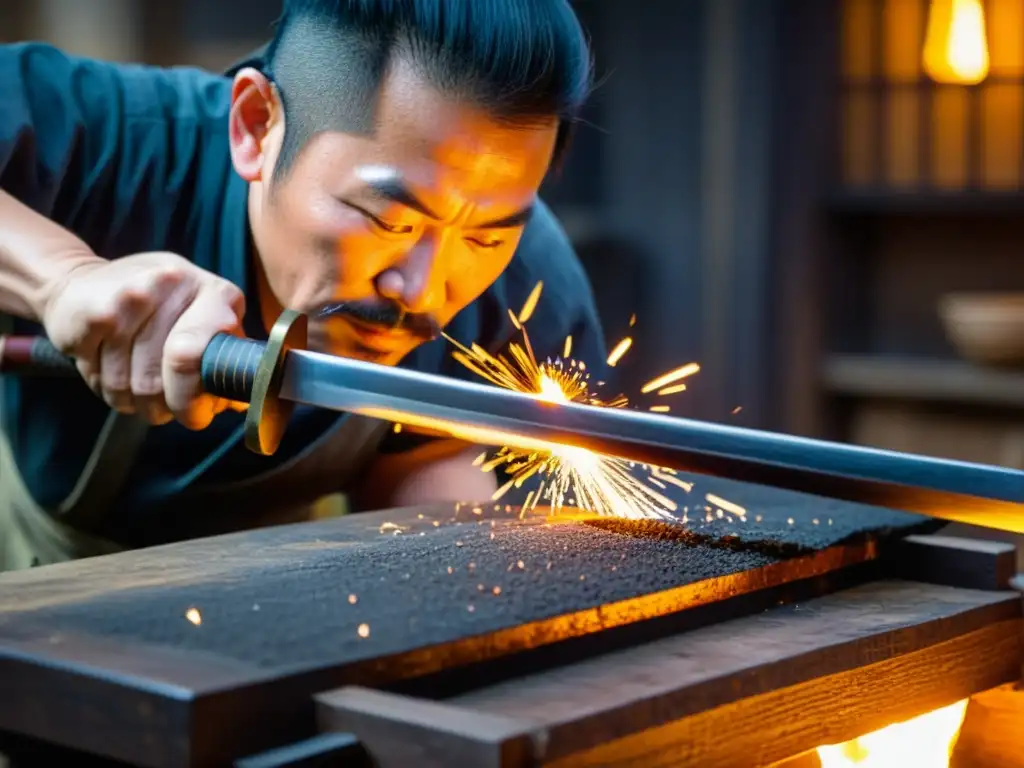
{"x":485,"y":242}
{"x":394,"y":229}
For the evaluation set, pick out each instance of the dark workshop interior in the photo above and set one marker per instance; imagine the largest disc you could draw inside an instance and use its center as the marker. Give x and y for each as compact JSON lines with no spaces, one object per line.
{"x":821,"y":202}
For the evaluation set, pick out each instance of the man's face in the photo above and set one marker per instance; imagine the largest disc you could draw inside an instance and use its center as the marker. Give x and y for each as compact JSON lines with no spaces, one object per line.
{"x":382,"y":239}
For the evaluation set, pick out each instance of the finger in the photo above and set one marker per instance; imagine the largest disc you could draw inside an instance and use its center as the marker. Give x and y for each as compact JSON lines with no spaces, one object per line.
{"x":115,"y":358}
{"x":217,"y":308}
{"x":147,"y":357}
{"x":115,"y":361}
{"x":87,"y":360}
{"x":136,"y":304}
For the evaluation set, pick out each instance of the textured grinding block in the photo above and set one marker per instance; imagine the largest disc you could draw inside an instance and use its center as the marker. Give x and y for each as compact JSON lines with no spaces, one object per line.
{"x":374,"y":585}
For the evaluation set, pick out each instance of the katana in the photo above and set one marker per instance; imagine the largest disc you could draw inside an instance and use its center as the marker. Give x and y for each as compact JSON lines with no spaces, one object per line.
{"x":275,"y":375}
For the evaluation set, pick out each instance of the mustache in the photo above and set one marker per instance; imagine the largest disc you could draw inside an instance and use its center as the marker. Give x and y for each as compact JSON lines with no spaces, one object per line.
{"x":386,"y":315}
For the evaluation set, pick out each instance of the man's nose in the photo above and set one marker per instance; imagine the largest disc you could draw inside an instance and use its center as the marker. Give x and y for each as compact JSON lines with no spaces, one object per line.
{"x":418,"y":281}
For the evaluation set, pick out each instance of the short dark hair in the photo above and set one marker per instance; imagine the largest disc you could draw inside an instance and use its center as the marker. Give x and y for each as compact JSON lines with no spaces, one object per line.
{"x":520,"y":60}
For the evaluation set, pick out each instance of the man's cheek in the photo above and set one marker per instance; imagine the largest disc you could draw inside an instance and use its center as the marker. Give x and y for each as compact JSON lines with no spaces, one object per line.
{"x":472,"y":279}
{"x":358,"y":259}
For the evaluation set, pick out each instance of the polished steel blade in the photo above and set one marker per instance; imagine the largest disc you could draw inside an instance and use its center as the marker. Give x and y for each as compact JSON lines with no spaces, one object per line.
{"x":950,"y":490}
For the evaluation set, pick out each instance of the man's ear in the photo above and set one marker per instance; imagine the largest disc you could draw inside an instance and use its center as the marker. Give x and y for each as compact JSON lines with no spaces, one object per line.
{"x":255,"y":110}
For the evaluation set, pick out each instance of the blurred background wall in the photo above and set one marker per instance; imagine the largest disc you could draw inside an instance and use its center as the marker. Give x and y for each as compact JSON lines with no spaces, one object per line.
{"x":780,"y":190}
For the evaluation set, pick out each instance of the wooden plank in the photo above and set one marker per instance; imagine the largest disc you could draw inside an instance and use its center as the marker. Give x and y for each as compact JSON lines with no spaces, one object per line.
{"x":770,"y":686}
{"x":141,"y":704}
{"x":403,"y":731}
{"x":275,"y":623}
{"x":953,"y":561}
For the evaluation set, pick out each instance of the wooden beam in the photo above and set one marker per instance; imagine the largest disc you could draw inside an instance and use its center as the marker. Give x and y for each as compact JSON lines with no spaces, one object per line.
{"x":403,"y":731}
{"x":953,"y":561}
{"x":749,"y":691}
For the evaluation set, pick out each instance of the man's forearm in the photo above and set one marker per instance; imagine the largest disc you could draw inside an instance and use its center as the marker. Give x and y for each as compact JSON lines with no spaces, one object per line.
{"x":35,"y":255}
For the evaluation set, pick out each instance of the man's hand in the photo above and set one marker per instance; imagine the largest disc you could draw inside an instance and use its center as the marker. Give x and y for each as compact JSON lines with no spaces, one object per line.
{"x":138,"y":327}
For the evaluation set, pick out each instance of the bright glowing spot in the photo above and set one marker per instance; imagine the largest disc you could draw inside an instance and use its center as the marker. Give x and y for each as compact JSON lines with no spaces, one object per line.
{"x":620,"y":349}
{"x":923,"y":742}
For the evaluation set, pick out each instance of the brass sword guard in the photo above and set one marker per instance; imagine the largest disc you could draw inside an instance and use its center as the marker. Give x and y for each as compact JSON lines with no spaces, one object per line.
{"x":268,"y":414}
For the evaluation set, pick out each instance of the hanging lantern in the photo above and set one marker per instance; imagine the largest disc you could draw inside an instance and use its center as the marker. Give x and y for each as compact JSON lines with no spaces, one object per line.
{"x":955,"y":47}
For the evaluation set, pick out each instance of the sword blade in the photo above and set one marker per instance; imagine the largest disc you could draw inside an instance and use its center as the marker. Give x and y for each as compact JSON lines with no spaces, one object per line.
{"x":950,"y":490}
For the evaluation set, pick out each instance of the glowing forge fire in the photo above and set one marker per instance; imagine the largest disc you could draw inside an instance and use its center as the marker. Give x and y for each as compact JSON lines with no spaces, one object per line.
{"x":571,"y":476}
{"x":923,"y":742}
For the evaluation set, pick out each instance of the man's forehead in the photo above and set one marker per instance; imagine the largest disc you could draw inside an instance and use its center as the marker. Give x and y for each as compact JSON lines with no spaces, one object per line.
{"x":437,"y":194}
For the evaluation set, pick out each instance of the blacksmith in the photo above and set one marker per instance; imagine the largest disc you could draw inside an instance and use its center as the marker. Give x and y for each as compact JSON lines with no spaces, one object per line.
{"x":377,"y":165}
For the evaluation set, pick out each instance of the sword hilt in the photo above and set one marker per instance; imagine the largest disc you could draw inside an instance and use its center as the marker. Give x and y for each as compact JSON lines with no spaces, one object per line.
{"x":233,"y":367}
{"x":230,"y":365}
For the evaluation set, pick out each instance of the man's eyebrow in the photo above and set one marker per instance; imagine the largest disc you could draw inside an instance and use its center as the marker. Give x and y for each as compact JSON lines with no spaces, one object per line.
{"x":517,"y":219}
{"x":394,"y":191}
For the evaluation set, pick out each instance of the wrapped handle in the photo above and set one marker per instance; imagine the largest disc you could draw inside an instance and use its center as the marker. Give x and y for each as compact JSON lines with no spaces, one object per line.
{"x":230,"y":365}
{"x":228,"y":368}
{"x":33,"y":356}
{"x":235,"y":368}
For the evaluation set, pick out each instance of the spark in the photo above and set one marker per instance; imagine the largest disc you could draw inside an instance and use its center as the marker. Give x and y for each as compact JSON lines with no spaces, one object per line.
{"x":193,"y":615}
{"x":670,"y":378}
{"x":620,"y":349}
{"x":569,"y":476}
{"x":531,"y":303}
{"x":364,"y":630}
{"x":672,"y":390}
{"x":353,"y":599}
{"x":728,"y":506}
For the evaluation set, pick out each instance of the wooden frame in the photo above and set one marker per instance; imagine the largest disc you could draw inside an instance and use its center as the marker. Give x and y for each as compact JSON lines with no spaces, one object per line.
{"x":165,"y":706}
{"x":672,"y":681}
{"x":750,"y":691}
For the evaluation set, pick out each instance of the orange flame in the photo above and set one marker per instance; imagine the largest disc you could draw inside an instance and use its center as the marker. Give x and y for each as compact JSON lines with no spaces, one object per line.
{"x":923,"y":742}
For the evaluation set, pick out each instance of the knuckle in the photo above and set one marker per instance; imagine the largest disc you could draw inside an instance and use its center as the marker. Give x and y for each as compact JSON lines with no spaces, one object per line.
{"x":183,"y":351}
{"x":229,"y":293}
{"x":148,"y":383}
{"x":116,"y":383}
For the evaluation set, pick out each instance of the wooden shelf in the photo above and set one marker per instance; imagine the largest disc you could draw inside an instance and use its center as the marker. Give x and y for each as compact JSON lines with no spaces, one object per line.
{"x":923,"y":379}
{"x":895,"y":202}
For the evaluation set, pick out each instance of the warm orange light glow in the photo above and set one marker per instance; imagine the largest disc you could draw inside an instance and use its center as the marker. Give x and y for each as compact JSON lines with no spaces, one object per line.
{"x":924,"y":742}
{"x":956,"y":47}
{"x":569,"y":476}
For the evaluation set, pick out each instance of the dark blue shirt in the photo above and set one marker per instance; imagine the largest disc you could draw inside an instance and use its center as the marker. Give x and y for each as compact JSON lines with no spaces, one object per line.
{"x":134,"y":158}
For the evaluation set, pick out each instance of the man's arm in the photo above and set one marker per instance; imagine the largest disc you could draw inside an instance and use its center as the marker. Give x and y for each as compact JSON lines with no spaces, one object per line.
{"x":81,"y":142}
{"x":50,"y":117}
{"x":412,"y":469}
{"x":35,"y":255}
